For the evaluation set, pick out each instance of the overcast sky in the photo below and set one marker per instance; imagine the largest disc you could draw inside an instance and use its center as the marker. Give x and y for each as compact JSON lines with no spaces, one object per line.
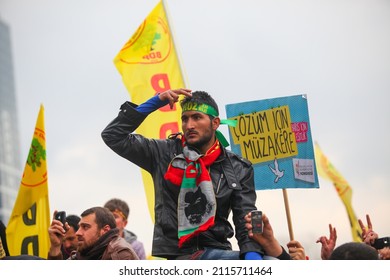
{"x":334,"y":51}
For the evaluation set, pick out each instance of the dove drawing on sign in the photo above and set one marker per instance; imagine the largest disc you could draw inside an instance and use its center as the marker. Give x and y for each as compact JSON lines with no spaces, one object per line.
{"x":278,"y":173}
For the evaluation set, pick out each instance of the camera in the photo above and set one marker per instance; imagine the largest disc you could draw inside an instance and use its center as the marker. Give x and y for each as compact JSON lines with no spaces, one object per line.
{"x":381,"y":243}
{"x":61,"y":216}
{"x":257,"y":221}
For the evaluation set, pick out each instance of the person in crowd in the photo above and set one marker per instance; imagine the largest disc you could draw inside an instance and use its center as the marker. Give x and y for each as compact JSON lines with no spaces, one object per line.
{"x":197,"y":181}
{"x":69,"y":243}
{"x":98,"y":238}
{"x":369,"y":236}
{"x":121,"y":212}
{"x":271,"y":245}
{"x":328,"y":244}
{"x":354,"y":251}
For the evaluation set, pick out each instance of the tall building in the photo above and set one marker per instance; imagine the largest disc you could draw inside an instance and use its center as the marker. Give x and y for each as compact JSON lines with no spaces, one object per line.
{"x":10,"y":163}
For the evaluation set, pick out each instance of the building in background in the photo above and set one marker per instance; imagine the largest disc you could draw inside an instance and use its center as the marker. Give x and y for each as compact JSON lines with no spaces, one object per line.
{"x":10,"y":162}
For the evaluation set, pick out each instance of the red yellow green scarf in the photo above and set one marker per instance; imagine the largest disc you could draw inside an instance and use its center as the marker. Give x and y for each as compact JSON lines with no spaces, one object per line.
{"x":196,"y":203}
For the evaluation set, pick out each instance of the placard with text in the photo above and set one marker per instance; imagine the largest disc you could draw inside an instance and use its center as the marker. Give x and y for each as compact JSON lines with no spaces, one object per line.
{"x":275,"y":135}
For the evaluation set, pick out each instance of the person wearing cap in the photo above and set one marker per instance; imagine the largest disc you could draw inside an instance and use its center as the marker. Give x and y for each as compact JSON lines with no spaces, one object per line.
{"x":121,"y":211}
{"x":197,"y":181}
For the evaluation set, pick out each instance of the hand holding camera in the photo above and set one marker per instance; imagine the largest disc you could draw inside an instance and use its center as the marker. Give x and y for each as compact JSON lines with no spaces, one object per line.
{"x":57,"y":231}
{"x":61,"y":216}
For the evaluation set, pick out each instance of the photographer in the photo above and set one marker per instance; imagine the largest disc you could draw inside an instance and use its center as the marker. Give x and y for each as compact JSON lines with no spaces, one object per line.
{"x":98,"y":238}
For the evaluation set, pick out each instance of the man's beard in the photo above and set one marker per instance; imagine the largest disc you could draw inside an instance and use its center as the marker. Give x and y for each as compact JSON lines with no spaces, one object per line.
{"x":205,"y":139}
{"x":86,"y":248}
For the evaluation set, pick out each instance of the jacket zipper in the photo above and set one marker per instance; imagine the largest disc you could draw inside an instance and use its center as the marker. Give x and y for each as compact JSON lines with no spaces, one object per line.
{"x":219,"y":183}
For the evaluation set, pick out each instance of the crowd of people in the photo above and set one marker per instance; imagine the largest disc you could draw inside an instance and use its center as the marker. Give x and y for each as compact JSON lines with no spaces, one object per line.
{"x":365,"y":250}
{"x":198,"y":183}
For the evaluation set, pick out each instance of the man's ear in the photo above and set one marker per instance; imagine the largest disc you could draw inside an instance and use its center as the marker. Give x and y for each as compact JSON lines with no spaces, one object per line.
{"x":105,"y":229}
{"x":216,"y":122}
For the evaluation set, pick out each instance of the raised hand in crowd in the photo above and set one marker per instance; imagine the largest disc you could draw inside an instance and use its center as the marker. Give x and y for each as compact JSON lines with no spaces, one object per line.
{"x":296,"y":250}
{"x":368,"y":234}
{"x":266,"y":239}
{"x":57,"y":232}
{"x":328,"y":244}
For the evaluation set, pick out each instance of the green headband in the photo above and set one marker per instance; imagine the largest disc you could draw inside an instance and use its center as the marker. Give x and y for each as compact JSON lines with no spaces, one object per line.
{"x":208,"y":110}
{"x":203,"y":108}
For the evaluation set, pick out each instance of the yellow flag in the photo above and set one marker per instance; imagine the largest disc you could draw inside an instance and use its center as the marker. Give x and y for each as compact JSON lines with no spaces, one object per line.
{"x":328,"y":171}
{"x":149,"y":64}
{"x":27,"y":229}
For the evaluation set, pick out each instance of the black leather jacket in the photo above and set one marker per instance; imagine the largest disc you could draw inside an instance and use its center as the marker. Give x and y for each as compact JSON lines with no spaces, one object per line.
{"x":232,"y":177}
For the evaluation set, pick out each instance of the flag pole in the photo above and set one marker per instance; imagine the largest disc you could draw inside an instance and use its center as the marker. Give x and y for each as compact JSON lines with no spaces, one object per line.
{"x":287,"y":207}
{"x":174,"y":44}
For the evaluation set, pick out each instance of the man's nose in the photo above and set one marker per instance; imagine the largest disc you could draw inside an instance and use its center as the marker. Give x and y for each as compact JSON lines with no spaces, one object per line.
{"x":189,"y":124}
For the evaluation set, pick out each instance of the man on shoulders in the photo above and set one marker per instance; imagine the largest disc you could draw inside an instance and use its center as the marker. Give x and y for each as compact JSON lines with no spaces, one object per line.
{"x":197,"y":182}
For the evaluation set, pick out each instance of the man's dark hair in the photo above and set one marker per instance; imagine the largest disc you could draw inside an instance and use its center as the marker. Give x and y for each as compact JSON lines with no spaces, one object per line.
{"x":73,"y":221}
{"x":354,"y":251}
{"x":118,"y":204}
{"x":103,"y":216}
{"x":200,"y":97}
